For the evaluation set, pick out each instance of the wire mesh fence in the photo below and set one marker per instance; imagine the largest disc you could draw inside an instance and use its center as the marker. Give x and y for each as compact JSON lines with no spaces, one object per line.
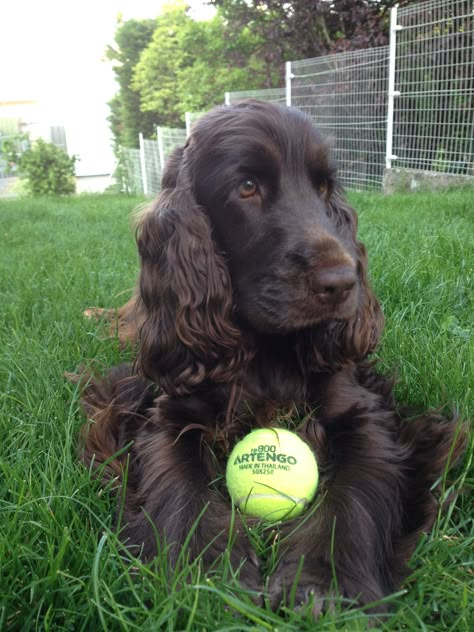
{"x":139,"y":170}
{"x":271,"y":95}
{"x":191,"y":118}
{"x":346,"y":96}
{"x":409,"y":105}
{"x":129,"y":171}
{"x":150,"y":165}
{"x":168,"y":139}
{"x":434,"y":83}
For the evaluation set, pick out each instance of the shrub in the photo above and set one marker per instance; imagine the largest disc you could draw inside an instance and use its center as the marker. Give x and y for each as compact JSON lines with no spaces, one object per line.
{"x":47,"y":170}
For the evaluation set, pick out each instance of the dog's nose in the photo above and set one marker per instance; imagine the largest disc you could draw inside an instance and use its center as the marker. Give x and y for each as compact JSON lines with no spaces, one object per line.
{"x":333,"y":285}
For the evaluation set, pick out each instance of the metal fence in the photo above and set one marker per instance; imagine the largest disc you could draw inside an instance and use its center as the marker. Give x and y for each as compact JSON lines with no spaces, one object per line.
{"x":190,"y":119}
{"x":139,"y":170}
{"x":272,"y":95}
{"x":433,"y":124}
{"x":407,"y":105}
{"x":128,"y":171}
{"x":346,"y":96}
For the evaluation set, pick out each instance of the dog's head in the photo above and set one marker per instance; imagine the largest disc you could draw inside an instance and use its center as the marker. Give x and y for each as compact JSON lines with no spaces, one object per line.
{"x":251,"y":236}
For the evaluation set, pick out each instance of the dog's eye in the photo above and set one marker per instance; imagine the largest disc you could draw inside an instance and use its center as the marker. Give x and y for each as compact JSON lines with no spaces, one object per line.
{"x":322,"y":187}
{"x":248,"y":188}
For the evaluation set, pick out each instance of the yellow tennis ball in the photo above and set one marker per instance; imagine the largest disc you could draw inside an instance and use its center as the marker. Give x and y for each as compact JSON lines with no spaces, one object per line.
{"x":272,"y":473}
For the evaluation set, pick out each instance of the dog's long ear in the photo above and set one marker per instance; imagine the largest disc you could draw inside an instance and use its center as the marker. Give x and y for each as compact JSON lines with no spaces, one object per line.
{"x":171,"y":171}
{"x":188,"y":337}
{"x":363,"y":333}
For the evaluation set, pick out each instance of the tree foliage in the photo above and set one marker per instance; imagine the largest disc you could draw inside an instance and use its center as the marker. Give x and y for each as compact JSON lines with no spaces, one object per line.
{"x":11,"y":148}
{"x":216,"y":61}
{"x":127,"y":117}
{"x":300,"y":29}
{"x":47,"y":170}
{"x":154,"y":77}
{"x":189,"y":65}
{"x":174,"y":64}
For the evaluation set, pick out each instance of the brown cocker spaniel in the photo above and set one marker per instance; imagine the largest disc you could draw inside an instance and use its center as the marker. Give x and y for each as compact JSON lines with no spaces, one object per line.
{"x":253,"y":308}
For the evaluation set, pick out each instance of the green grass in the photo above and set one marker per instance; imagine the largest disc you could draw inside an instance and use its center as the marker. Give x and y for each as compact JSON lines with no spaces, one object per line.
{"x":62,"y":567}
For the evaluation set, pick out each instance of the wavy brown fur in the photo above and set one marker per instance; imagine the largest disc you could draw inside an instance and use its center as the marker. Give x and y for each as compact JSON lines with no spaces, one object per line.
{"x":254,"y":303}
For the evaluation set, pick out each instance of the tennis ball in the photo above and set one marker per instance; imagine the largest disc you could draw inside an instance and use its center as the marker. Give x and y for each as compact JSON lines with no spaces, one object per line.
{"x":272,"y":473}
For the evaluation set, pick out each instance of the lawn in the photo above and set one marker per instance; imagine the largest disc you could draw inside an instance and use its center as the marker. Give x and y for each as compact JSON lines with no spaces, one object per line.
{"x":62,"y":567}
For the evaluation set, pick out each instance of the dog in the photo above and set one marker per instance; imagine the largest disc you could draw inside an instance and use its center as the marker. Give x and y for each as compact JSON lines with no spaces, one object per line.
{"x":254,"y":309}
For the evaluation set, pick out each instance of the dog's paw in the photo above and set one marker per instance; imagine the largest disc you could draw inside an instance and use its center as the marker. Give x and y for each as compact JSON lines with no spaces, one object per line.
{"x":250,"y":576}
{"x":291,"y":586}
{"x":320,"y":600}
{"x":296,"y":597}
{"x":294,"y":587}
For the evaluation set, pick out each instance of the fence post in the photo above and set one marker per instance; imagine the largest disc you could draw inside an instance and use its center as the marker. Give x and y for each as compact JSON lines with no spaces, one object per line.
{"x":161,"y":149}
{"x":392,"y":93}
{"x":227,"y":98}
{"x":288,"y":77}
{"x":143,"y":163}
